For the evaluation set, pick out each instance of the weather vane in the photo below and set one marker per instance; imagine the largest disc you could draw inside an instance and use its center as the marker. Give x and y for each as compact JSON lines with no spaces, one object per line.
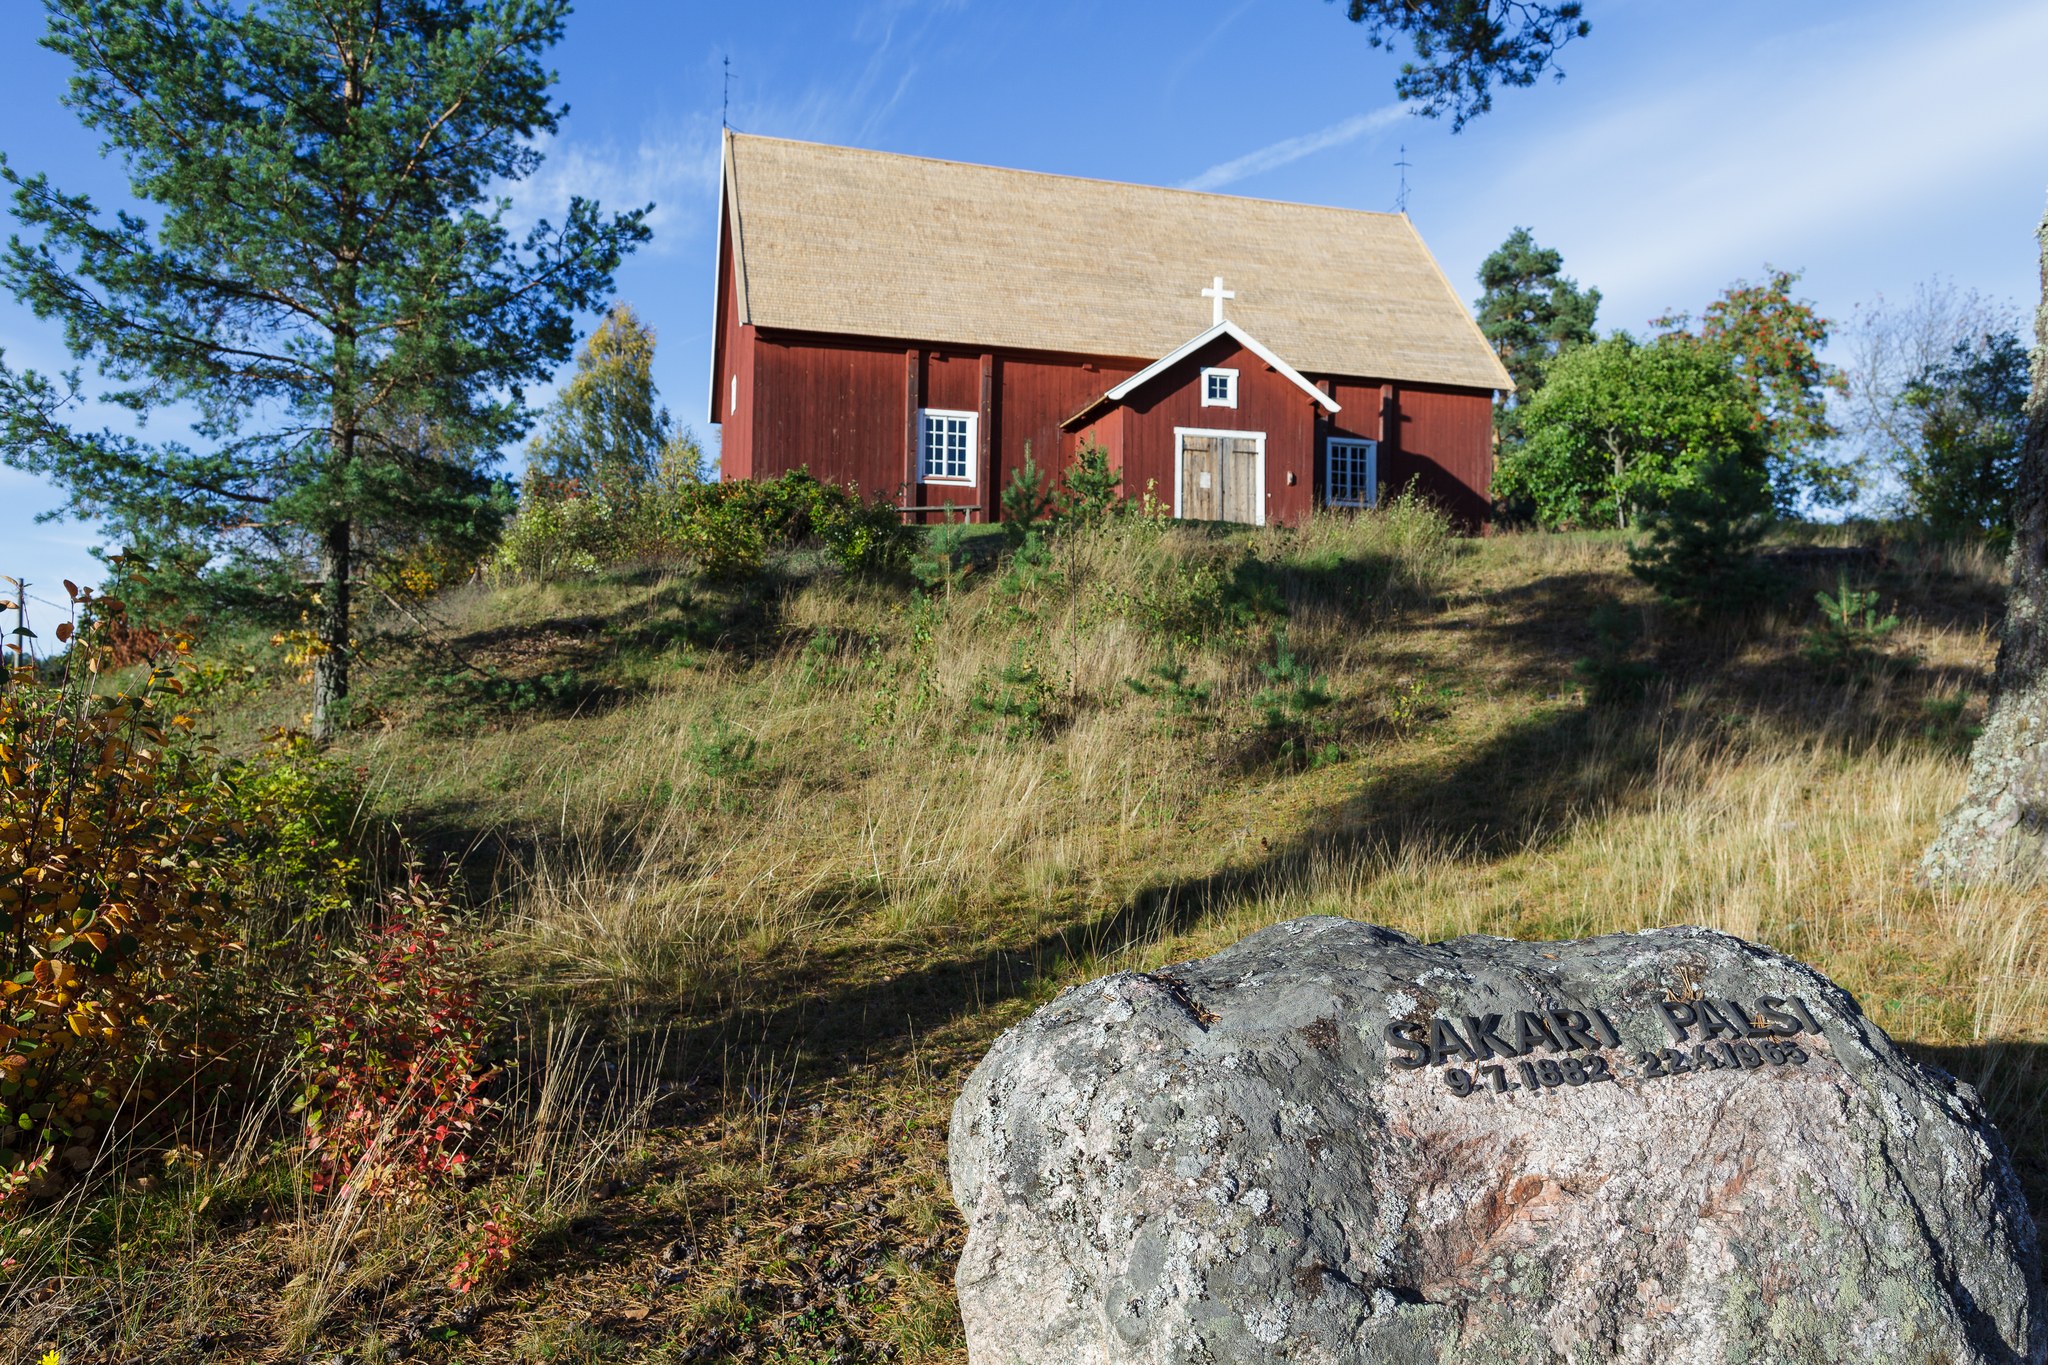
{"x":1401,"y":199}
{"x":725,"y":106}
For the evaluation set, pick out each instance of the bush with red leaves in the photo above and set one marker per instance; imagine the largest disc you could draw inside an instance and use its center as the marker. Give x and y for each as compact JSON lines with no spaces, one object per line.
{"x":395,"y":1042}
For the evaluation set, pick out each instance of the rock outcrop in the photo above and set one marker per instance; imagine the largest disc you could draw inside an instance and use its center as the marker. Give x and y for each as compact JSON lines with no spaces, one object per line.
{"x":1331,"y":1143}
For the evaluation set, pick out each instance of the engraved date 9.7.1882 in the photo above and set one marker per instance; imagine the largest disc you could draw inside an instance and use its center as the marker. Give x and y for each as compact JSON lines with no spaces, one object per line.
{"x":1730,"y":1037}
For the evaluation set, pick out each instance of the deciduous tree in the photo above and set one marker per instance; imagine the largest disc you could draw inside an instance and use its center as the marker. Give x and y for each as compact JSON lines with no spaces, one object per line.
{"x":324,"y":273}
{"x":607,"y":431}
{"x":1892,"y":345}
{"x":1772,"y":341}
{"x":1960,"y":469}
{"x":1618,"y":425}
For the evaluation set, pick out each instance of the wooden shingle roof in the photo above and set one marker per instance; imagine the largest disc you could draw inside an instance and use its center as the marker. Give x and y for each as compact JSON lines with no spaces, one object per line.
{"x":841,"y":240}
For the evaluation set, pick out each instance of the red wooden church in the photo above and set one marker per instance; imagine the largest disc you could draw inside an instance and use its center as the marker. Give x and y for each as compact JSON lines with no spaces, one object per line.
{"x":911,"y":325}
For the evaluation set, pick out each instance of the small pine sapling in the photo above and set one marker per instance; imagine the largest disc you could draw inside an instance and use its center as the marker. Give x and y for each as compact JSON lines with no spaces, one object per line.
{"x":1849,"y":639}
{"x":1019,"y":698}
{"x":942,"y":562}
{"x":1182,"y":704}
{"x":1612,"y":674}
{"x":1091,"y":488}
{"x":1700,"y":549}
{"x":1292,"y":709}
{"x":1027,"y":500}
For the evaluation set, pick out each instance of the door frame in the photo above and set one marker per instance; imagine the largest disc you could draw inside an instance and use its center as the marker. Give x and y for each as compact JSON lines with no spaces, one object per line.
{"x":1258,"y":497}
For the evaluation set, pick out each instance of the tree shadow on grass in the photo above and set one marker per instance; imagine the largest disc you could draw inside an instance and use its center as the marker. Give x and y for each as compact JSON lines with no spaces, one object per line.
{"x":1522,"y":787}
{"x":572,"y":664}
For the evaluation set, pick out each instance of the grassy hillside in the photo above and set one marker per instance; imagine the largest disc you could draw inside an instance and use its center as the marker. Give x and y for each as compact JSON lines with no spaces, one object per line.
{"x":770,"y":864}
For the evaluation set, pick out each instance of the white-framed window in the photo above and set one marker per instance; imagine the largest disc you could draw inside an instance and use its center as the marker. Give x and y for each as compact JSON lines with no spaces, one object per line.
{"x":1219,"y":388}
{"x":733,"y":403}
{"x":1351,"y":472}
{"x":947,"y":445}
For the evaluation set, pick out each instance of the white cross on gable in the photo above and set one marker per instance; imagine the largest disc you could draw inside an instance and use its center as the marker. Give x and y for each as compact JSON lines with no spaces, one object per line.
{"x":1217,"y":292}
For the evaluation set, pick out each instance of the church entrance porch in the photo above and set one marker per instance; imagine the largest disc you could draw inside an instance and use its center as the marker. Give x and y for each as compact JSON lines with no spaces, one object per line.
{"x":1220,"y":476}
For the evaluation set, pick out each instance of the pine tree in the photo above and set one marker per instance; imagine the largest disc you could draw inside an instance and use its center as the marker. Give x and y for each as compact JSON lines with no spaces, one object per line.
{"x":1699,"y":550}
{"x":327,"y":282}
{"x":1531,"y":309}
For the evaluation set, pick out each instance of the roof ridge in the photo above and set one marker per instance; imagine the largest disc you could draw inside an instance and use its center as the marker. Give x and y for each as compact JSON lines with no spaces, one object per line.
{"x":1060,"y":175}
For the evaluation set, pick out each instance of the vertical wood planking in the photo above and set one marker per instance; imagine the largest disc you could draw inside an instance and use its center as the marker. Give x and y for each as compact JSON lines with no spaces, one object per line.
{"x":986,"y":477}
{"x":846,"y":408}
{"x":1444,"y":444}
{"x":913,"y":401}
{"x":1239,"y":467}
{"x":1201,"y":494}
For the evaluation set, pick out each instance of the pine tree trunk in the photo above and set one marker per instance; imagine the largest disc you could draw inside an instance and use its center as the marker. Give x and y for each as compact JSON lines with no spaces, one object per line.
{"x":330,"y":665}
{"x":2000,"y":831}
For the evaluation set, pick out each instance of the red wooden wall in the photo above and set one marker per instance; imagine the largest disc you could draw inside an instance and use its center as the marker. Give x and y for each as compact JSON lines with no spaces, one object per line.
{"x":732,"y":375}
{"x":844,"y":408}
{"x":1267,"y":401}
{"x":1444,"y":442}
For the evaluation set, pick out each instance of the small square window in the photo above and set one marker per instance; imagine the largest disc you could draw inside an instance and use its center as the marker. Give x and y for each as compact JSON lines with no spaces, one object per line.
{"x":1219,"y":388}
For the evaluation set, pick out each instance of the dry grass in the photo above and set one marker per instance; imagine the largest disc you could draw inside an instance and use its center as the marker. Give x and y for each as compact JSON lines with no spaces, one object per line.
{"x":795,"y":833}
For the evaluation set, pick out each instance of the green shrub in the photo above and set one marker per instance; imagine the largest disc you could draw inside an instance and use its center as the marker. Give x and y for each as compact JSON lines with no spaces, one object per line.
{"x":553,"y":538}
{"x":1019,"y":699}
{"x":299,"y":811}
{"x":727,"y":530}
{"x":861,"y":537}
{"x":1193,"y":600}
{"x":725,"y":537}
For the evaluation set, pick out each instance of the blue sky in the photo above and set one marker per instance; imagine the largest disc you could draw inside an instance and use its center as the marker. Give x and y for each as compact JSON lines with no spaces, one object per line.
{"x":1872,"y":143}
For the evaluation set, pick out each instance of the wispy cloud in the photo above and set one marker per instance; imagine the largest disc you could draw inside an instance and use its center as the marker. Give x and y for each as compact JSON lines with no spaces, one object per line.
{"x":1295,"y":148}
{"x":674,"y":169}
{"x":1784,"y":158}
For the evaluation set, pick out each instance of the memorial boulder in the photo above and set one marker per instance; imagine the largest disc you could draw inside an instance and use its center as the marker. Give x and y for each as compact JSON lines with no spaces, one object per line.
{"x":1333,"y":1144}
